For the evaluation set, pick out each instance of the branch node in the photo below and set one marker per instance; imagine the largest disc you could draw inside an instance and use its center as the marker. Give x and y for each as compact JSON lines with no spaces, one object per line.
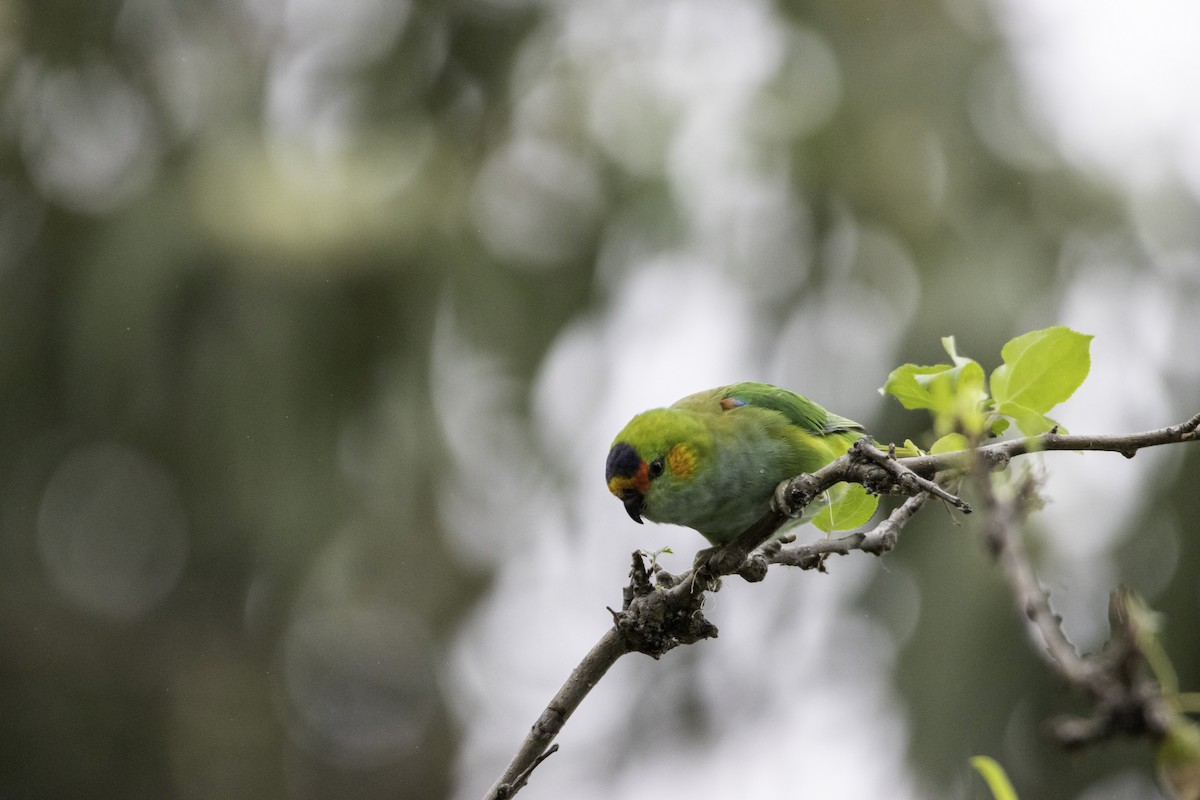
{"x":659,"y":620}
{"x":815,"y":561}
{"x":665,"y":580}
{"x":901,"y":477}
{"x":793,"y":496}
{"x":754,"y":569}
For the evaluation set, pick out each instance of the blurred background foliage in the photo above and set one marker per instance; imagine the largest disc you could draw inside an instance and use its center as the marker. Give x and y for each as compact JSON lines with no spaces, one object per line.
{"x":316,"y":319}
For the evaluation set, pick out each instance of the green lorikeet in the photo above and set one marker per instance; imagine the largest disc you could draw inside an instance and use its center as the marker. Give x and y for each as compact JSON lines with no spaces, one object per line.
{"x":712,"y":460}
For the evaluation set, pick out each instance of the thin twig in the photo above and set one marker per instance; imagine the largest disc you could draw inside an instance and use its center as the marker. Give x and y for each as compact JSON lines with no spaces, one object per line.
{"x":877,"y":541}
{"x":1002,"y":533}
{"x":505,"y":790}
{"x":879,"y":472}
{"x":537,"y":744}
{"x":908,"y":480}
{"x":1125,"y":699}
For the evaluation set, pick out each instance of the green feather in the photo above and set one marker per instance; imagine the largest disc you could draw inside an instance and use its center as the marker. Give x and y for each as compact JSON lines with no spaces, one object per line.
{"x":799,"y":410}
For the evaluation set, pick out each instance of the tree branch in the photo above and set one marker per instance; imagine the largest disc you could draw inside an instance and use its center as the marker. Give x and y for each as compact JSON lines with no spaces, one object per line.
{"x":1002,"y":535}
{"x":1126,"y":700}
{"x":864,"y":463}
{"x":537,"y":745}
{"x":998,"y":454}
{"x":877,"y":541}
{"x":656,"y":618}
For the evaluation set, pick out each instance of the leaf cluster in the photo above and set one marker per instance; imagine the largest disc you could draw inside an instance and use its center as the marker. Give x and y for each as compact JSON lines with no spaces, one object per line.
{"x":1040,"y":369}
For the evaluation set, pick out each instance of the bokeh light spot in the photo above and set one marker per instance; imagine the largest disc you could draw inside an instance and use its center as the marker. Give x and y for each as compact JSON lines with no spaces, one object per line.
{"x":88,"y":137}
{"x":537,"y":203}
{"x":112,"y":531}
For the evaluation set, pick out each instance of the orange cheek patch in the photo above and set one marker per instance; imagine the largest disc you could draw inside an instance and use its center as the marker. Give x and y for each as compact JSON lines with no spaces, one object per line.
{"x":681,"y":460}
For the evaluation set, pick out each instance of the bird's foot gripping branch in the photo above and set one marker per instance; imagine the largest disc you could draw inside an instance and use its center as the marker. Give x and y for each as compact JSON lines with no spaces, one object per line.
{"x":743,"y":463}
{"x":878,"y":472}
{"x":864,"y":464}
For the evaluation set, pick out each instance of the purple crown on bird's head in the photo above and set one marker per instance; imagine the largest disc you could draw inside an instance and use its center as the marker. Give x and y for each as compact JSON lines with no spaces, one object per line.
{"x":623,"y":462}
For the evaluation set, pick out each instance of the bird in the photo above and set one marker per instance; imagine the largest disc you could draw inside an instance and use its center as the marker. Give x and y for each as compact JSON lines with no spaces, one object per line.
{"x":712,"y":461}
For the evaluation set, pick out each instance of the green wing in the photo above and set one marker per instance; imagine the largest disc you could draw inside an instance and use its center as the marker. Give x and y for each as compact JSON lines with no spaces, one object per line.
{"x":798,"y":410}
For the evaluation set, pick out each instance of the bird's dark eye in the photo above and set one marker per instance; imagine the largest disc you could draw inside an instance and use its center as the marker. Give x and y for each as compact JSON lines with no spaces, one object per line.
{"x":656,"y":468}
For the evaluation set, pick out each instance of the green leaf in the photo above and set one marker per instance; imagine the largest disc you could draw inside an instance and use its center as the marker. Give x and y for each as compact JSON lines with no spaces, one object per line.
{"x":950,"y":443}
{"x":850,"y":506}
{"x":952,"y":392}
{"x":1041,"y":369}
{"x":910,"y":385}
{"x":951,"y":348}
{"x":1128,"y":609}
{"x":1178,"y":759}
{"x":937,"y":387}
{"x":1029,"y":421}
{"x":993,"y":774}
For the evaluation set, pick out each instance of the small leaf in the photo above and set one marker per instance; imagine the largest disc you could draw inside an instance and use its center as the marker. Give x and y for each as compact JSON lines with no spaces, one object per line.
{"x":910,"y":385}
{"x":849,"y":507}
{"x":1029,"y":421}
{"x":952,"y":393}
{"x":993,"y":774}
{"x":950,"y":443}
{"x":1178,"y":760}
{"x":951,"y":348}
{"x":1127,"y":609}
{"x":1041,"y":369}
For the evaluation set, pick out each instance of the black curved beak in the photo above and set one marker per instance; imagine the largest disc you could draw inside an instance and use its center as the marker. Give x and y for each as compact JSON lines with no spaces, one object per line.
{"x":634,"y":501}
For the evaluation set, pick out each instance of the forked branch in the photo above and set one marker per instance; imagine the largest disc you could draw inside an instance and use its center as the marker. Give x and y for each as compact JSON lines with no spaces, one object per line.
{"x":661,"y":615}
